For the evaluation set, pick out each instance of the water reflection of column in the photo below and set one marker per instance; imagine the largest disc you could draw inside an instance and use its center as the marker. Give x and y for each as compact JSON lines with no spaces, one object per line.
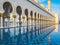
{"x":8,"y":25}
{"x":33,"y":21}
{"x":27,"y":33}
{"x":42,"y":24}
{"x":1,"y":31}
{"x":23,"y":18}
{"x":20,"y":24}
{"x":29,"y":25}
{"x":35,"y":24}
{"x":38,"y":23}
{"x":19,"y":12}
{"x":23,"y":26}
{"x":45,"y":23}
{"x":14,"y":17}
{"x":31,"y":13}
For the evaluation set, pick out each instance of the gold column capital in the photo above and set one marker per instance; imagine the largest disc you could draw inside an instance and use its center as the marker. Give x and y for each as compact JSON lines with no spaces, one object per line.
{"x":1,"y":14}
{"x":14,"y":16}
{"x":23,"y":17}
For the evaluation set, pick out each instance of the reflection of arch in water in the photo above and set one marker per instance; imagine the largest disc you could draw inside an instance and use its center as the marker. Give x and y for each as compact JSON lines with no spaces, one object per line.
{"x":7,"y":7}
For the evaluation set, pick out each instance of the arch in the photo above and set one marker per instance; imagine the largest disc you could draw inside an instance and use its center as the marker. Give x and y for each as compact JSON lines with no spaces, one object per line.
{"x":19,"y":10}
{"x":26,"y":12}
{"x":31,"y":13}
{"x":35,"y":14}
{"x":38,"y":15}
{"x":7,"y":7}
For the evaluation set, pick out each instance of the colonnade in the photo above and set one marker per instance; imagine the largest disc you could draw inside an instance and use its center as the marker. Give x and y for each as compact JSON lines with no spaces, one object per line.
{"x":32,"y":27}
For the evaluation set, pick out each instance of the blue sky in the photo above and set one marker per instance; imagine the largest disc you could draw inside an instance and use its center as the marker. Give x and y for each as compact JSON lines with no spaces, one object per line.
{"x":55,"y":5}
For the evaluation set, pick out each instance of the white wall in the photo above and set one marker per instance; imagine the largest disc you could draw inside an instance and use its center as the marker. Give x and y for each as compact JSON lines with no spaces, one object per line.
{"x":24,"y":4}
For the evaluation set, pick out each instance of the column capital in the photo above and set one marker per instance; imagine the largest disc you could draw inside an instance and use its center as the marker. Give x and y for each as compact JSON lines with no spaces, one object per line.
{"x":14,"y":16}
{"x":1,"y":14}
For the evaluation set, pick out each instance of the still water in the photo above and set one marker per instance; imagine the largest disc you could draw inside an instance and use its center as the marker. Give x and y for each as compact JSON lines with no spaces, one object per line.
{"x":54,"y":37}
{"x":48,"y":36}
